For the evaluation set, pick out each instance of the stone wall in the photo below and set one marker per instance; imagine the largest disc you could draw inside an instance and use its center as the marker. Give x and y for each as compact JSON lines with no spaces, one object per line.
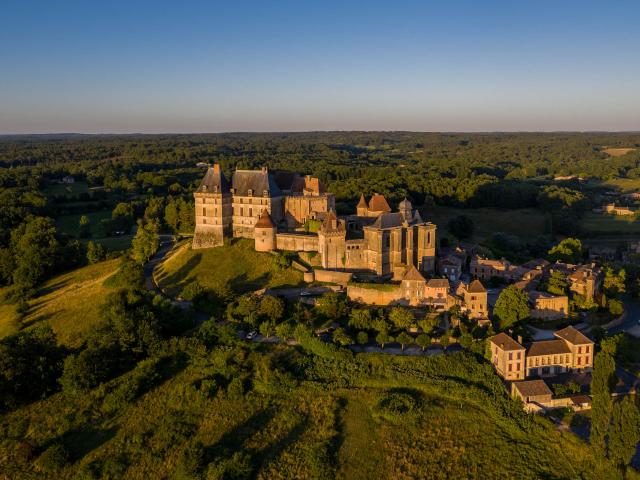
{"x":297,"y":242}
{"x":376,"y":295}
{"x":331,"y":276}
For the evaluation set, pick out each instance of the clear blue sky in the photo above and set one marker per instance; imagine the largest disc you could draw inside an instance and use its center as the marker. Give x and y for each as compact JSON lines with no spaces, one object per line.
{"x":93,"y":66}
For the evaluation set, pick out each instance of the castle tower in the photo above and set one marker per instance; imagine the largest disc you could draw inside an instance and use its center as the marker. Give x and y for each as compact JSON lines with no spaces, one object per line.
{"x":332,"y":238}
{"x":405,"y":209}
{"x":362,"y":208}
{"x":426,"y":247}
{"x":265,"y":233}
{"x":213,"y":210}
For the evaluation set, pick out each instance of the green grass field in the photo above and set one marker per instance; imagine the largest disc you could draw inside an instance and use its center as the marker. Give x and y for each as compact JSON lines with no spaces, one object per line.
{"x":69,"y":303}
{"x":625,"y":185}
{"x":70,"y":189}
{"x":599,"y":223}
{"x":235,"y":266}
{"x":526,"y":223}
{"x":70,"y":224}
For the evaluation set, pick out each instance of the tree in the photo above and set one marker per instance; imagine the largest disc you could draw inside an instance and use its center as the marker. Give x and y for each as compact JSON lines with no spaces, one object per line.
{"x":511,"y":307}
{"x":461,"y":226}
{"x":603,"y":372}
{"x":284,"y":331}
{"x":423,"y":340}
{"x":624,"y":432}
{"x":146,"y":242}
{"x":568,"y":250}
{"x":84,"y":227}
{"x":341,"y":337}
{"x":332,"y":305}
{"x":95,"y":252}
{"x":428,"y":323}
{"x":268,"y":328}
{"x":383,"y":338}
{"x":404,"y":339}
{"x":616,"y":308}
{"x":614,"y":282}
{"x":557,"y":284}
{"x":381,"y":325}
{"x":362,"y":338}
{"x":271,"y":307}
{"x":35,"y":252}
{"x":401,"y":317}
{"x":360,"y":318}
{"x":245,"y":309}
{"x":445,"y":339}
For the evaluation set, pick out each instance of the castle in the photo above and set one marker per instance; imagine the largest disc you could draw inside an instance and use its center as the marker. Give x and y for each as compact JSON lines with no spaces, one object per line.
{"x":286,"y":211}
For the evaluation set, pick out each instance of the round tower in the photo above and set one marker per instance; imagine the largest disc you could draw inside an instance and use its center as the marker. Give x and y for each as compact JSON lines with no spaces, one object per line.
{"x":265,"y":233}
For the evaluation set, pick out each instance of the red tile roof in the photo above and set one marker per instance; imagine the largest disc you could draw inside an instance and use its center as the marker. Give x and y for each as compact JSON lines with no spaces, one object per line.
{"x":379,"y":204}
{"x":265,"y":220}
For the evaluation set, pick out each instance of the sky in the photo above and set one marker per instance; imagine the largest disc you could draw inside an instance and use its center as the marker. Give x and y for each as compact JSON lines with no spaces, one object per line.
{"x":162,"y":67}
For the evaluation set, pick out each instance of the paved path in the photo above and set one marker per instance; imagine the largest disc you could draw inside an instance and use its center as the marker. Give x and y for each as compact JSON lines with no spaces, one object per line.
{"x":631,"y":318}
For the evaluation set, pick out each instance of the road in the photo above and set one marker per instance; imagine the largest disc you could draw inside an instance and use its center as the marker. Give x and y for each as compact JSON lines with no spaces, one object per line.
{"x":632,"y":316}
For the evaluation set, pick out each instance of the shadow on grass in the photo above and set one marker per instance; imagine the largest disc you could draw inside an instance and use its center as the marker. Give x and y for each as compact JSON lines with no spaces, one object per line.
{"x":178,"y":279}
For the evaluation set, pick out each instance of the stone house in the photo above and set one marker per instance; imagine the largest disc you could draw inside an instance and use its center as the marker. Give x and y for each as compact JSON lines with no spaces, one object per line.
{"x":612,"y":209}
{"x":485,"y":268}
{"x":586,"y":280}
{"x":474,"y":299}
{"x":570,"y":351}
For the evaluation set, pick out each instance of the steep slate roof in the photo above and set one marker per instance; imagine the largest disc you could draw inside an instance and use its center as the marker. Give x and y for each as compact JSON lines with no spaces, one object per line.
{"x":505,"y":342}
{"x":412,"y":274}
{"x":265,"y":220}
{"x":405,"y":204}
{"x":256,"y":180}
{"x":438,"y":283}
{"x":284,"y":179}
{"x":362,"y":203}
{"x":212,"y":179}
{"x":389,"y":220}
{"x":476,"y":287}
{"x":548,"y":347}
{"x":379,"y":204}
{"x":572,"y":335}
{"x":327,"y":223}
{"x":532,"y":388}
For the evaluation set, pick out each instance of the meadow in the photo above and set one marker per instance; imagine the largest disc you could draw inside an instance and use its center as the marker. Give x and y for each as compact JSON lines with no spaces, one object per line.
{"x":233,"y":268}
{"x":69,"y":303}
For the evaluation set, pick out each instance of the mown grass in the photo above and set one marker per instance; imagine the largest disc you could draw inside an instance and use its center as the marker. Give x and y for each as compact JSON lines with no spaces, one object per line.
{"x":69,"y":303}
{"x":235,"y":267}
{"x":600,"y":223}
{"x":70,"y":225}
{"x":526,"y":223}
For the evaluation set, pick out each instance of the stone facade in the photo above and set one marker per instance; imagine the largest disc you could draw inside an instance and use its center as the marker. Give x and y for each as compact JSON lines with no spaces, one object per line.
{"x":547,"y":306}
{"x":570,"y":351}
{"x":276,"y":209}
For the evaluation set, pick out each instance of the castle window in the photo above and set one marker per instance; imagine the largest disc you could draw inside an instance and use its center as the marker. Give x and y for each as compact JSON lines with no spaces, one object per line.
{"x":251,"y":212}
{"x":428,"y":238}
{"x":579,"y":349}
{"x":586,"y":349}
{"x":241,"y":212}
{"x":204,"y":212}
{"x":388,"y":241}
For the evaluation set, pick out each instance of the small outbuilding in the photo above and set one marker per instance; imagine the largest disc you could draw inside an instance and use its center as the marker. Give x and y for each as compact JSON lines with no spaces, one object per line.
{"x":535,"y":391}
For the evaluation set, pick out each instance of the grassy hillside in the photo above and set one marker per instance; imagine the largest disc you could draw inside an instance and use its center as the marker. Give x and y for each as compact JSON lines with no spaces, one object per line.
{"x":236,"y":266}
{"x":369,"y":418}
{"x":69,"y":303}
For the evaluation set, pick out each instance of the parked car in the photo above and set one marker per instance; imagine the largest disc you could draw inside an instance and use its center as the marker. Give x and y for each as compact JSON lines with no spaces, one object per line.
{"x":251,"y":335}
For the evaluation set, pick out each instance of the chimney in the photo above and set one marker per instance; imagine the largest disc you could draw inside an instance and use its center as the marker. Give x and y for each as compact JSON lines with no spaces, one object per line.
{"x":520,"y":339}
{"x":216,"y":168}
{"x":264,"y":169}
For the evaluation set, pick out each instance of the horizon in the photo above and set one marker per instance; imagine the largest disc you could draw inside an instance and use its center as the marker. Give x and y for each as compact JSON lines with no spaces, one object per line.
{"x":160,"y":69}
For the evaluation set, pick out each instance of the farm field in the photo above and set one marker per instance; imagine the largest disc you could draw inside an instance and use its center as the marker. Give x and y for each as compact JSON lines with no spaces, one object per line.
{"x":70,"y":225}
{"x":525,"y":223}
{"x":66,"y":189}
{"x":235,"y":267}
{"x":598,"y":223}
{"x":617,"y":152}
{"x":69,"y":303}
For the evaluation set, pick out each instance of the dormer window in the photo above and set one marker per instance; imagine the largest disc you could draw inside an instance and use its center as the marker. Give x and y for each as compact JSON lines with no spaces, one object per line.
{"x":265,"y":193}
{"x":233,"y":191}
{"x":204,"y":188}
{"x":215,"y":189}
{"x":250,"y":192}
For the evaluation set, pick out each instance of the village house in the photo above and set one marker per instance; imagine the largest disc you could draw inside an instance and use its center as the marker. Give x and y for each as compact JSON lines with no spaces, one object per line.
{"x":474,"y":299}
{"x":485,"y":269}
{"x":612,"y":209}
{"x":570,"y":351}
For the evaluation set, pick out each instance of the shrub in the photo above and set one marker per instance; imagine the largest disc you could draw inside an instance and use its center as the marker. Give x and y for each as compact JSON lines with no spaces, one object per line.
{"x":190,"y":463}
{"x":54,"y":458}
{"x":362,"y":338}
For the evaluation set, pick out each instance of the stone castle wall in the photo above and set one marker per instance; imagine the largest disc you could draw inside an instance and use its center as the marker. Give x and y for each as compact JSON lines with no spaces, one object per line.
{"x":384,"y":295}
{"x":331,"y":276}
{"x":296,"y":242}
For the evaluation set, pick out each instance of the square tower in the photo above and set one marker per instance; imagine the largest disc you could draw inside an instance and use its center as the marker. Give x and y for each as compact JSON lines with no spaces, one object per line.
{"x":213,"y":209}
